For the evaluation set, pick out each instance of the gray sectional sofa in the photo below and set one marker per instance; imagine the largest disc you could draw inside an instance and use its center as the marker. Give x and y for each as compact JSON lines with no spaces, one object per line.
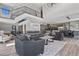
{"x":26,"y":47}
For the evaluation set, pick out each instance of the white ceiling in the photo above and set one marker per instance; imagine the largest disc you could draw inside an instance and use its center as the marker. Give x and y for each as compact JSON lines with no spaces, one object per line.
{"x":55,"y":14}
{"x":35,"y":6}
{"x":60,"y":11}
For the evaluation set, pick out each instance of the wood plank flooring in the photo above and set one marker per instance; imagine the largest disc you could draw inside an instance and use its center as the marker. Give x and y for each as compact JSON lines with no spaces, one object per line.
{"x":7,"y":50}
{"x":71,"y":48}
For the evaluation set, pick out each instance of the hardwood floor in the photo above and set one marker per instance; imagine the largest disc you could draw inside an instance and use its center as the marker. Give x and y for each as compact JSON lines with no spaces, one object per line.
{"x":71,"y":48}
{"x":7,"y":50}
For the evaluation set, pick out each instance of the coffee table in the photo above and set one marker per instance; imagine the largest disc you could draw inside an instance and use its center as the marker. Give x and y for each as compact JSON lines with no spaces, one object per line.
{"x":46,"y":38}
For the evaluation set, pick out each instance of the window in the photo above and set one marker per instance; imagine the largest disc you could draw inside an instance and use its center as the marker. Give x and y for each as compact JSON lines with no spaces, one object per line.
{"x":4,"y":11}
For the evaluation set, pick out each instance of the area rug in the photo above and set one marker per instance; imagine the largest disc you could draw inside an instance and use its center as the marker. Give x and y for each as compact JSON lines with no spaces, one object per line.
{"x":53,"y":48}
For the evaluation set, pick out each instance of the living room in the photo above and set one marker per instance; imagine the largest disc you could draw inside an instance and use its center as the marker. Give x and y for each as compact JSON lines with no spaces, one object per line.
{"x":36,"y":29}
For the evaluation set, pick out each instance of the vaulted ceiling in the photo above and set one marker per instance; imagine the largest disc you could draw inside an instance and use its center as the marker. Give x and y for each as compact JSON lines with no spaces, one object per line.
{"x":54,"y":14}
{"x":35,"y":6}
{"x":59,"y":12}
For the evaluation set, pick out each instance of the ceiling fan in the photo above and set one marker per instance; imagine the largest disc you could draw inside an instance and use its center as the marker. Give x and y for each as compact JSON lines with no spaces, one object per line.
{"x":68,"y":17}
{"x":50,"y":4}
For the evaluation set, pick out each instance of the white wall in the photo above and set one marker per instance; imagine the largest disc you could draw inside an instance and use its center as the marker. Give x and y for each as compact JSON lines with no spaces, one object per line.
{"x":6,"y":24}
{"x":28,"y":16}
{"x":32,"y":22}
{"x":31,"y":25}
{"x":5,"y":27}
{"x":74,"y":25}
{"x":5,"y":20}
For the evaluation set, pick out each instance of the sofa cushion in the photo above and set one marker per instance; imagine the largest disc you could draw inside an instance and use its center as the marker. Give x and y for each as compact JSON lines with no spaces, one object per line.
{"x":22,"y":37}
{"x":35,"y":37}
